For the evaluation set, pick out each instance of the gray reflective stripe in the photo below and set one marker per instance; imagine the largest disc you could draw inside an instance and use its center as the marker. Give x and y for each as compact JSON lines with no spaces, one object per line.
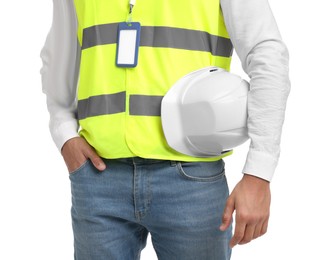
{"x":159,"y":36}
{"x":101,"y":105}
{"x":185,"y":39}
{"x":141,"y":105}
{"x":99,"y":34}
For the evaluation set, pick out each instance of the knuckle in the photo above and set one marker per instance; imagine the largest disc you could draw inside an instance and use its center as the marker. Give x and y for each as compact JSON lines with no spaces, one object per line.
{"x":252,"y":218}
{"x":92,"y":155}
{"x":226,"y":217}
{"x":247,"y":218}
{"x":242,"y":216}
{"x":95,"y":158}
{"x":245,"y":241}
{"x":230,"y":200}
{"x":228,"y":206}
{"x":238,"y":236}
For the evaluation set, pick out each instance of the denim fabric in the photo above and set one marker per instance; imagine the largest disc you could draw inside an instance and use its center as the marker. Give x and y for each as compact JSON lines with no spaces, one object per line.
{"x":179,"y":204}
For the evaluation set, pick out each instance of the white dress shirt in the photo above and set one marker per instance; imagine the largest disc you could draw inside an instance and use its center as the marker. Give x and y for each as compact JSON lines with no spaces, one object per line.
{"x":257,"y":41}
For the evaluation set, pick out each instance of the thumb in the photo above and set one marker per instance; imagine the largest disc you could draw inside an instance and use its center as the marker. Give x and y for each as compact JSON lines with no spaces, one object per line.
{"x":95,"y":159}
{"x":227,"y":214}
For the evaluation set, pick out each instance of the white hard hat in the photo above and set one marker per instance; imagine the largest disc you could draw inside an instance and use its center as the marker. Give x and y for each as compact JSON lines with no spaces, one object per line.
{"x":205,"y":113}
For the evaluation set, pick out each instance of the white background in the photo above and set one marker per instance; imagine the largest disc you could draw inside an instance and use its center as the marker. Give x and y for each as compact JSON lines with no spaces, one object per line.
{"x":34,"y":186}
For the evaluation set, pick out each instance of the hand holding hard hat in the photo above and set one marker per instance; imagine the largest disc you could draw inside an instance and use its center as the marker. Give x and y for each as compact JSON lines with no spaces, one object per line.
{"x":205,"y":113}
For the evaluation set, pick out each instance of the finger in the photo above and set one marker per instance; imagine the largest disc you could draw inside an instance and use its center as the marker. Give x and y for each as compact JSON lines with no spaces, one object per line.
{"x":238,"y":233}
{"x":227,"y":214}
{"x":95,"y":159}
{"x":248,"y":236}
{"x":264,"y":228}
{"x":258,"y":230}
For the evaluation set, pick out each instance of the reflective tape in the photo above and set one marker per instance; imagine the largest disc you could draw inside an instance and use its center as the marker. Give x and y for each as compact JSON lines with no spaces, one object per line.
{"x":178,"y":38}
{"x":141,"y":105}
{"x":101,"y":105}
{"x":99,"y":34}
{"x":160,"y":36}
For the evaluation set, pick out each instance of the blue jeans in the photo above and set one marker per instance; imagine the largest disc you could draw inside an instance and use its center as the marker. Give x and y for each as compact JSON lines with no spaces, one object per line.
{"x":179,"y":204}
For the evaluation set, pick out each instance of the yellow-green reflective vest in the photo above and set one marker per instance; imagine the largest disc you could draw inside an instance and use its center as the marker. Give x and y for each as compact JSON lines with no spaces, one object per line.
{"x":119,"y":108}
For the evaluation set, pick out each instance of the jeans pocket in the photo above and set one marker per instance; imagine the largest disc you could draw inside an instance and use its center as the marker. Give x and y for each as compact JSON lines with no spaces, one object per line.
{"x":201,"y":171}
{"x":79,"y":169}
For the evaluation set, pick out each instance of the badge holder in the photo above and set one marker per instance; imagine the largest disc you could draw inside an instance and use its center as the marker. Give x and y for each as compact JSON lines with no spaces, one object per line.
{"x":128,"y":39}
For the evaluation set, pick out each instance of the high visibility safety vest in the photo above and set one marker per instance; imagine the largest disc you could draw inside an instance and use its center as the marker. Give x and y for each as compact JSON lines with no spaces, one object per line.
{"x":119,"y":108}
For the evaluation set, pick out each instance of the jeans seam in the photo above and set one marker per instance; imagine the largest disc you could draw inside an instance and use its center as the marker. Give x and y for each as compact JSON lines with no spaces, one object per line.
{"x":135,"y":191}
{"x":140,"y":244}
{"x":149,"y":194}
{"x":74,"y":172}
{"x":140,"y":214}
{"x":199,"y":179}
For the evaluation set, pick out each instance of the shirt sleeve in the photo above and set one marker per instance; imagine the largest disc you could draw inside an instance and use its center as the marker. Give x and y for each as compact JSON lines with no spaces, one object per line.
{"x":60,"y":57}
{"x":264,"y":57}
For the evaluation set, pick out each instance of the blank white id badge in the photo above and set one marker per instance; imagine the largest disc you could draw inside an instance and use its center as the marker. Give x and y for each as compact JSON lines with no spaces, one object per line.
{"x":128,"y":38}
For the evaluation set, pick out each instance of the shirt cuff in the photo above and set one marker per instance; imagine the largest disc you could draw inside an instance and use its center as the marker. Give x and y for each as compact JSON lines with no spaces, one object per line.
{"x":260,"y":164}
{"x":63,"y":132}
